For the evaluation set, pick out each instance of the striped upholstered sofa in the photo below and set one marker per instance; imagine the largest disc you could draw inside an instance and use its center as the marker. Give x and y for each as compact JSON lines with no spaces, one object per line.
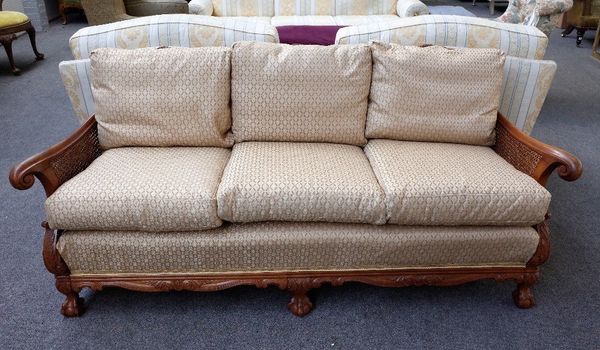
{"x":310,"y":12}
{"x":294,"y":166}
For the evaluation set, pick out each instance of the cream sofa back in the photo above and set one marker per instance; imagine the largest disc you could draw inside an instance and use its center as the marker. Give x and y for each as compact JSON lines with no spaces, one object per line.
{"x":270,"y":8}
{"x":161,"y":30}
{"x":457,"y":31}
{"x":169,"y":30}
{"x":527,"y":78}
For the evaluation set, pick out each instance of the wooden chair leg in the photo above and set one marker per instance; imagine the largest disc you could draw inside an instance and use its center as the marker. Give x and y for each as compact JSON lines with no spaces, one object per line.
{"x":31,"y":33}
{"x":580,"y":33}
{"x":7,"y":43}
{"x":61,"y":11}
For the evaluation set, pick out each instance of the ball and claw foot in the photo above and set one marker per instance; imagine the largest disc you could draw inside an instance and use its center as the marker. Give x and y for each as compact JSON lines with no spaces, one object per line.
{"x":523,"y":296}
{"x":300,"y":305}
{"x":73,"y":306}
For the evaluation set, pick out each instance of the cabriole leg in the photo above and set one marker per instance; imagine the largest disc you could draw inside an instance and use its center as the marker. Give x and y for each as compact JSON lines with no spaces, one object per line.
{"x":523,"y":296}
{"x":31,"y":34}
{"x":73,"y":305}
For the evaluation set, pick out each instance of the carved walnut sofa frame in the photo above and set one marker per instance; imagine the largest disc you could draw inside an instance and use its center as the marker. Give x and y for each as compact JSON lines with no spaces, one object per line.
{"x":63,"y":161}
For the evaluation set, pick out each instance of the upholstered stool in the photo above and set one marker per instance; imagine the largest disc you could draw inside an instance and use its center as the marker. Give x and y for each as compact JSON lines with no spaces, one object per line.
{"x":12,"y":22}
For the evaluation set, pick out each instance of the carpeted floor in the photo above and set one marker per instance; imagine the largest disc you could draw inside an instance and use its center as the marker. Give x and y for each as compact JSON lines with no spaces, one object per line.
{"x":35,"y":113}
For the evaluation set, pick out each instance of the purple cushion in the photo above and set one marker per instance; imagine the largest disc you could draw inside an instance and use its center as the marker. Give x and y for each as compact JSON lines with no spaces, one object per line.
{"x":308,"y":35}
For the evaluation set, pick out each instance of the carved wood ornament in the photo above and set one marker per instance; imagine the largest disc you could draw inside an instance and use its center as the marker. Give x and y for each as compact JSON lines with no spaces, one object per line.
{"x":66,"y":159}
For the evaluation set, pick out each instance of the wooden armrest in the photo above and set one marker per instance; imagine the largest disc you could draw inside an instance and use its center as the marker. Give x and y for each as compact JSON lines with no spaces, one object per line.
{"x":533,"y":157}
{"x":60,"y":162}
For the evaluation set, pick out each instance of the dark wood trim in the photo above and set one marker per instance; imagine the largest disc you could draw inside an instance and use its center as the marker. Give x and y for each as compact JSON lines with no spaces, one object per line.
{"x":532,"y":156}
{"x":60,"y":162}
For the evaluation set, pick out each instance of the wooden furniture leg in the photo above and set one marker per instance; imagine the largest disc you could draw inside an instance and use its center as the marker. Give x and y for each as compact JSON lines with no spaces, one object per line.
{"x":6,"y":41}
{"x":61,"y":11}
{"x":31,"y":33}
{"x":596,"y":45}
{"x":580,"y":33}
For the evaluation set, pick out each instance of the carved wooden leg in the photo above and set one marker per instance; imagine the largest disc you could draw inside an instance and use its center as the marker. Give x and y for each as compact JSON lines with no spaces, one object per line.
{"x":523,"y":296}
{"x":6,"y":41}
{"x":61,"y":11}
{"x":580,"y":33}
{"x":567,"y":31}
{"x":73,"y":305}
{"x":31,"y":33}
{"x":300,"y":304}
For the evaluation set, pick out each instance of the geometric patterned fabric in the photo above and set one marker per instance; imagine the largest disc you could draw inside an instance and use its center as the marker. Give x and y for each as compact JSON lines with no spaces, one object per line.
{"x":452,"y":184}
{"x":286,"y":181}
{"x":142,"y":188}
{"x":283,"y":246}
{"x":162,"y":97}
{"x":434,"y":94}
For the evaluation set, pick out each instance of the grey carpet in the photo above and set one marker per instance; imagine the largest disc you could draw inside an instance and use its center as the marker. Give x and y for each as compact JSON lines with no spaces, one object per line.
{"x":35,"y":113}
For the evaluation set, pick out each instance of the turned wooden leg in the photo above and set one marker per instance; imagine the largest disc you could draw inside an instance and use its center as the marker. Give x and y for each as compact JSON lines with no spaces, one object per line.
{"x":580,"y":33}
{"x":7,"y":43}
{"x":523,"y":296}
{"x":567,"y":31}
{"x":73,"y":305}
{"x":61,"y":11}
{"x":300,"y":304}
{"x":31,"y":33}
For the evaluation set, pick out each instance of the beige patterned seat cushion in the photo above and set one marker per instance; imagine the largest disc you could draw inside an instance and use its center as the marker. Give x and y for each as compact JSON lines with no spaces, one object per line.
{"x":300,"y":93}
{"x":450,"y":184}
{"x":284,"y":181}
{"x":283,"y":246}
{"x":162,"y":97}
{"x":434,"y":94}
{"x":144,"y":188}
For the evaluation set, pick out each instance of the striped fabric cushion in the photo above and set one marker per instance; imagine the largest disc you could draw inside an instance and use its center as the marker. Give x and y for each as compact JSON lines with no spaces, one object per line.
{"x":365,"y":7}
{"x":526,"y":84}
{"x":170,"y":30}
{"x":76,"y":75}
{"x":243,"y":8}
{"x":304,"y":7}
{"x":514,"y":39}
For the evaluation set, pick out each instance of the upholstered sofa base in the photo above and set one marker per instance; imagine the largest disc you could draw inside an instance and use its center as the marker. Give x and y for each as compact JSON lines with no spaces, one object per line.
{"x":297,"y":281}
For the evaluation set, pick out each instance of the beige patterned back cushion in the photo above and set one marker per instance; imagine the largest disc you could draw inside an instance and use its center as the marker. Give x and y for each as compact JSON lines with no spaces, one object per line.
{"x":434,"y":94}
{"x":162,"y":97}
{"x":300,"y":93}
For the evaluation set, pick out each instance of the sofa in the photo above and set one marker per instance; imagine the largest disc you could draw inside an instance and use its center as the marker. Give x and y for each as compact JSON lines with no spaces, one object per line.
{"x":295,"y":166}
{"x":527,"y":76}
{"x":306,"y":12}
{"x":109,"y":11}
{"x":543,"y":14}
